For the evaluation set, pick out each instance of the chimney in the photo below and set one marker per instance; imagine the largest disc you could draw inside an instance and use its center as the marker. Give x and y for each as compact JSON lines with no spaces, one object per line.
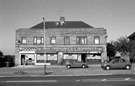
{"x":62,"y":20}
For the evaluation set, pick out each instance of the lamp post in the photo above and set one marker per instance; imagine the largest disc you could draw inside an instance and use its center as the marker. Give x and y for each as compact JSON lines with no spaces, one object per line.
{"x":44,"y":46}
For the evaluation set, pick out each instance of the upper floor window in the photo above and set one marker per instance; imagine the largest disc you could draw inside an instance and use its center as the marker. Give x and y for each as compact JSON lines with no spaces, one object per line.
{"x":81,"y":40}
{"x":38,"y":40}
{"x":53,"y":40}
{"x":24,"y":40}
{"x":96,"y":40}
{"x":66,"y":40}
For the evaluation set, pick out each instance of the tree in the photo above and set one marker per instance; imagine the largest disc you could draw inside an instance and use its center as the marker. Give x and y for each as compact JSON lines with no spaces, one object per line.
{"x":111,"y":51}
{"x":1,"y":54}
{"x":1,"y":59}
{"x":122,"y":45}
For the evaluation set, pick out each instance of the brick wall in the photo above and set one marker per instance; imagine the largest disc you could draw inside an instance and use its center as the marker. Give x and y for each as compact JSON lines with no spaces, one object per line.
{"x":60,"y":33}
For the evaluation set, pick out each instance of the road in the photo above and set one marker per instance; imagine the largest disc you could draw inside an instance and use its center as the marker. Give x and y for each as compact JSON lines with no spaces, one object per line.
{"x":100,"y":80}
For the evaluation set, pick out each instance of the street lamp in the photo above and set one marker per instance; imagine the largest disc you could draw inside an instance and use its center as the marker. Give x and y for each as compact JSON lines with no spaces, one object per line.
{"x":44,"y":46}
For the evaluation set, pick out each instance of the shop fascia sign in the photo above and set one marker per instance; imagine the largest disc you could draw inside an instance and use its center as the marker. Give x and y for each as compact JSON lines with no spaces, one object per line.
{"x":64,"y":49}
{"x":74,"y":48}
{"x":28,"y":49}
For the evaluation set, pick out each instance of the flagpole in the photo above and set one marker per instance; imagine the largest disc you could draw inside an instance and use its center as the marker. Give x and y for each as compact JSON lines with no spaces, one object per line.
{"x":44,"y":46}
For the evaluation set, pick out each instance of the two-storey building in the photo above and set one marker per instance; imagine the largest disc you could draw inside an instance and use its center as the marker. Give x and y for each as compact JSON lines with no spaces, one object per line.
{"x":132,"y":46}
{"x":63,"y":40}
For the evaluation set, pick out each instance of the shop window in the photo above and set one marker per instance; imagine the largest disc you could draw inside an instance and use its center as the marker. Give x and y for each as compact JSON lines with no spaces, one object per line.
{"x":67,"y":40}
{"x":41,"y":58}
{"x":96,"y":40}
{"x":53,"y":40}
{"x":24,"y":40}
{"x":81,"y":40}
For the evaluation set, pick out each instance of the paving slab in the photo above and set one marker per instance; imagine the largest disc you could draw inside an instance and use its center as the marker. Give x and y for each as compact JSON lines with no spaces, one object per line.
{"x":58,"y":70}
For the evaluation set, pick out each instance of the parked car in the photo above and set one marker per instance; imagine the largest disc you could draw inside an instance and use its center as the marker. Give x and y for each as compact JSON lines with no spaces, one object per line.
{"x":117,"y":63}
{"x":71,"y":64}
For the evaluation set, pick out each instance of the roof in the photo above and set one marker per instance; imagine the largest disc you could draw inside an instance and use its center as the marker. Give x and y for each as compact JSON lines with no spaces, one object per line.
{"x":66,"y":24}
{"x":131,"y":36}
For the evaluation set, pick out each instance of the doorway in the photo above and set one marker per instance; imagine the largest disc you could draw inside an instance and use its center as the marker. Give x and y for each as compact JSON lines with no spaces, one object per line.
{"x":83,"y":58}
{"x":22,"y":59}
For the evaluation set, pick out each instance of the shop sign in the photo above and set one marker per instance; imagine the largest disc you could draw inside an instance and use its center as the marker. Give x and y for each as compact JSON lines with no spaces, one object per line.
{"x":28,"y":49}
{"x":77,"y":49}
{"x":72,"y":49}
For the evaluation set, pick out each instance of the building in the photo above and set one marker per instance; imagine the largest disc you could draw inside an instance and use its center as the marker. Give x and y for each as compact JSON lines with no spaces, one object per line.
{"x":132,"y":37}
{"x":132,"y":45}
{"x":63,"y":40}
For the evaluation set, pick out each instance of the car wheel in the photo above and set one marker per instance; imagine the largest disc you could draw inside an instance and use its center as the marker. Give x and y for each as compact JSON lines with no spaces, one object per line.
{"x":107,"y":67}
{"x":68,"y":66}
{"x":127,"y":67}
{"x":83,"y":66}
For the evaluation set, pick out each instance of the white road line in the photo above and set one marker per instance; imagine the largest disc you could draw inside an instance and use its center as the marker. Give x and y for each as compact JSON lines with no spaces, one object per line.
{"x":91,"y":80}
{"x":104,"y":79}
{"x":24,"y":81}
{"x":127,"y":79}
{"x":78,"y":80}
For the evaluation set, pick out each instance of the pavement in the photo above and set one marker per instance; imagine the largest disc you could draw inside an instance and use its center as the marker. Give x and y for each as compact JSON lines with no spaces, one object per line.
{"x":58,"y":70}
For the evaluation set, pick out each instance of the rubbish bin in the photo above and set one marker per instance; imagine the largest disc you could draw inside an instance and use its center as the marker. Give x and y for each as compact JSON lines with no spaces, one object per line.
{"x":7,"y":64}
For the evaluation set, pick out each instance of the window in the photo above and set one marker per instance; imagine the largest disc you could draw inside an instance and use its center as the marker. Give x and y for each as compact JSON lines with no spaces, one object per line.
{"x":81,"y":40}
{"x":96,"y":40}
{"x":38,"y":40}
{"x":24,"y":40}
{"x":42,"y":40}
{"x":122,"y":61}
{"x":53,"y":40}
{"x":67,"y":40}
{"x":35,"y":40}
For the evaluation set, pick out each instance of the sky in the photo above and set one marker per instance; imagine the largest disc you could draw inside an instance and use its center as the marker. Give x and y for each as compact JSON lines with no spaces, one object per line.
{"x":116,"y":16}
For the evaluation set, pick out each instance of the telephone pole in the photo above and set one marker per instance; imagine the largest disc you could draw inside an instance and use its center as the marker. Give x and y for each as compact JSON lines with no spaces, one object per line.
{"x":44,"y":46}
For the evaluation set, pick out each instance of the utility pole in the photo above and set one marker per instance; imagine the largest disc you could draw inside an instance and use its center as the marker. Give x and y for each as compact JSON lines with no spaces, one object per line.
{"x":44,"y":47}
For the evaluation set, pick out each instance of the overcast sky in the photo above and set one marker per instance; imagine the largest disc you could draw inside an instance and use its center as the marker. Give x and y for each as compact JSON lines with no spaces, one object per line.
{"x":117,"y":16}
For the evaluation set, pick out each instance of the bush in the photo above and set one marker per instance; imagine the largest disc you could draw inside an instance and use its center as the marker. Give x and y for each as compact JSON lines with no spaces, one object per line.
{"x":7,"y":61}
{"x":2,"y":64}
{"x":10,"y":59}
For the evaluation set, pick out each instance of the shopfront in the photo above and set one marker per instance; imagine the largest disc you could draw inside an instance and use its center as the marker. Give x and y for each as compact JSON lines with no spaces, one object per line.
{"x":27,"y":56}
{"x":61,"y":55}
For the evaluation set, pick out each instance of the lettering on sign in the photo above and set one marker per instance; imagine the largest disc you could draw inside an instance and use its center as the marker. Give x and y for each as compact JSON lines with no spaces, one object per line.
{"x":70,"y":49}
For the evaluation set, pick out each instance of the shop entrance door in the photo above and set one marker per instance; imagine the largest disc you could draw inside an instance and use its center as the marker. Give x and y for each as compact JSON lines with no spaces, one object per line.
{"x":22,"y":59}
{"x":83,"y":58}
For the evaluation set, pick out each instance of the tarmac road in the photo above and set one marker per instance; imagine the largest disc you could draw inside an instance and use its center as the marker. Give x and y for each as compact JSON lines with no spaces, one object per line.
{"x":100,"y":80}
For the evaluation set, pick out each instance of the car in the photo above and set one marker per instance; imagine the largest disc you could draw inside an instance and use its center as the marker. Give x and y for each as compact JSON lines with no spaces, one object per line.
{"x":76,"y":64}
{"x":117,"y":63}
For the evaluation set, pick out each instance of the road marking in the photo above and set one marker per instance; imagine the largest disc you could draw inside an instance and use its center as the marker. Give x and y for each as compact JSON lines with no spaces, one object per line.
{"x":24,"y":81}
{"x":91,"y":80}
{"x":78,"y":80}
{"x":127,"y":79}
{"x":104,"y":79}
{"x":109,"y":79}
